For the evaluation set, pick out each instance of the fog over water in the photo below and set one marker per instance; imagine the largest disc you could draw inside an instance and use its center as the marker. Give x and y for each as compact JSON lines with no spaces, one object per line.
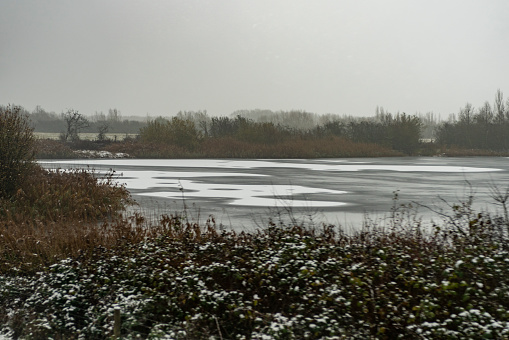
{"x":247,"y":193}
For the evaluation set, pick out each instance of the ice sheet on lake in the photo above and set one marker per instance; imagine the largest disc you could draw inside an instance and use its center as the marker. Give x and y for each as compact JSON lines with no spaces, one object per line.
{"x":246,"y":195}
{"x":246,"y":186}
{"x":343,"y":166}
{"x":134,"y":179}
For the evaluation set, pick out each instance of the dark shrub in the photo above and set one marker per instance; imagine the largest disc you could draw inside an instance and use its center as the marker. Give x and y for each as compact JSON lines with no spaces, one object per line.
{"x":176,"y":131}
{"x":16,"y":149}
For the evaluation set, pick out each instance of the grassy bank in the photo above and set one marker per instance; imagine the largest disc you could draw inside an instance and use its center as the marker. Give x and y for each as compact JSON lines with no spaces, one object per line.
{"x":227,"y":147}
{"x":55,"y":214}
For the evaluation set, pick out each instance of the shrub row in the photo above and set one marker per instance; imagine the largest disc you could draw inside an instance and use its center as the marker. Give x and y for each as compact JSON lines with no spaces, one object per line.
{"x":400,"y":133}
{"x":279,"y":283}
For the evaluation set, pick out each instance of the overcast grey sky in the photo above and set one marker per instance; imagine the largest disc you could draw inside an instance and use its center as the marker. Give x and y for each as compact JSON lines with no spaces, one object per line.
{"x":337,"y":56}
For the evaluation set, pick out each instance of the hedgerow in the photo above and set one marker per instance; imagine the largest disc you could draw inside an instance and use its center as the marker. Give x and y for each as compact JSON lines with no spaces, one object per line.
{"x":277,"y":283}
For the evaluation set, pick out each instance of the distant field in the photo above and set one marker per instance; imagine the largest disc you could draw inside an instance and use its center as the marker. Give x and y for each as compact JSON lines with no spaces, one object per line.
{"x":86,"y":136}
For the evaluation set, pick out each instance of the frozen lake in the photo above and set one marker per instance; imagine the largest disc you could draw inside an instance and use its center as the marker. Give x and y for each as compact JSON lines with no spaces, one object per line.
{"x":243,"y":194}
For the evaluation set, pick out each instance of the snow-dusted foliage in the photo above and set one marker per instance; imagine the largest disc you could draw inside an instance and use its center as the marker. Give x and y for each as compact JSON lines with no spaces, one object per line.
{"x":280,"y":283}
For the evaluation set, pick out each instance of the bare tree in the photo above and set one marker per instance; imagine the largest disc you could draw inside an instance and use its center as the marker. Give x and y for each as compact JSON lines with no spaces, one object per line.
{"x":499,"y":107}
{"x":102,"y":128}
{"x":484,"y":115}
{"x":74,"y":122}
{"x":466,"y":115}
{"x":114,"y":116}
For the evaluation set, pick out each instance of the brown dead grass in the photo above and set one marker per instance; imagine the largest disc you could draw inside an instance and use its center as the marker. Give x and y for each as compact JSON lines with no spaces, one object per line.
{"x":454,"y":151}
{"x":230,"y":147}
{"x":56,"y":214}
{"x":296,"y":148}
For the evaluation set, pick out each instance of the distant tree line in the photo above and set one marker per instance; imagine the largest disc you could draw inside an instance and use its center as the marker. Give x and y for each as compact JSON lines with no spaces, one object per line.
{"x":188,"y":128}
{"x":400,"y":132}
{"x":486,"y":127}
{"x":100,"y":123}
